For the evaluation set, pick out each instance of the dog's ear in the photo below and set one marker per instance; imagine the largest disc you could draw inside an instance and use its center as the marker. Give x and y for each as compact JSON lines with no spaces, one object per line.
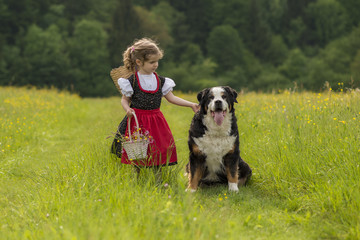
{"x":202,"y":94}
{"x":232,"y":92}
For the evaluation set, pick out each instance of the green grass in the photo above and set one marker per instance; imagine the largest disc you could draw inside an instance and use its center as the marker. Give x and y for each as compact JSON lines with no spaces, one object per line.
{"x":59,"y":181}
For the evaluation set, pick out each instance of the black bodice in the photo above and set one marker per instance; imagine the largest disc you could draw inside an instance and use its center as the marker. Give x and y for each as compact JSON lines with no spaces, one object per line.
{"x":146,"y":100}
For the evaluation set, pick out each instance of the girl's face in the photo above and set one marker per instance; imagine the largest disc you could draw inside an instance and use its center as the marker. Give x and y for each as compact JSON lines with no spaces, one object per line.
{"x":148,"y":66}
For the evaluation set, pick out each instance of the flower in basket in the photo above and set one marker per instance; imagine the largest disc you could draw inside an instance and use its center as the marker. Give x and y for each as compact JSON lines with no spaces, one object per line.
{"x":138,"y":135}
{"x":136,"y":144}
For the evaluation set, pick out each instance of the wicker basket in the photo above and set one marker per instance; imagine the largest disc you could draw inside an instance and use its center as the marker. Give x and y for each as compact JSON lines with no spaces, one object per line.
{"x":136,"y":150}
{"x":120,"y":72}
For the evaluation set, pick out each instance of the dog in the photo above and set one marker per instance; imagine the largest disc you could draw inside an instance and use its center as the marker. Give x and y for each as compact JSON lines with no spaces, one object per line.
{"x":214,"y":142}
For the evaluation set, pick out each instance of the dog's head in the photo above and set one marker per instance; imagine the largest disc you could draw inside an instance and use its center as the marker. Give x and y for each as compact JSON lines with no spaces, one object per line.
{"x":217,"y":101}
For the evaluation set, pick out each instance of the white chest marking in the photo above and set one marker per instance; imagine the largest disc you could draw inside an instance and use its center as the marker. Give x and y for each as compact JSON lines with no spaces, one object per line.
{"x":215,"y":144}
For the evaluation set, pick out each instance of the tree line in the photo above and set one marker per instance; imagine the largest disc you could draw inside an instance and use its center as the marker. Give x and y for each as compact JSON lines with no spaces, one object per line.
{"x":252,"y":45}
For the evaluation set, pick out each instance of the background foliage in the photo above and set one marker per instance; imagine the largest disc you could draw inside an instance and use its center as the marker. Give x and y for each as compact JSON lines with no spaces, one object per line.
{"x":255,"y":45}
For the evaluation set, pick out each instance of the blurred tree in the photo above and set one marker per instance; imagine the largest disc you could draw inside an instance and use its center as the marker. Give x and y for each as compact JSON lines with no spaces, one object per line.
{"x":191,"y":77}
{"x":277,"y":51}
{"x":296,"y":33}
{"x":252,"y":68}
{"x":46,"y":61}
{"x":325,"y":21}
{"x":256,"y":47}
{"x":258,"y":36}
{"x":89,"y":60}
{"x":296,"y":8}
{"x":5,"y":20}
{"x":3,"y":72}
{"x":274,"y":14}
{"x":192,"y":54}
{"x":200,"y":75}
{"x":355,"y":70}
{"x":56,"y":16}
{"x":231,"y":12}
{"x":179,"y":29}
{"x":236,"y":78}
{"x":198,"y":15}
{"x":295,"y":67}
{"x":242,"y":75}
{"x":154,"y":25}
{"x":339,"y":53}
{"x":348,"y":43}
{"x":225,"y":47}
{"x":102,"y":11}
{"x":292,"y":22}
{"x":74,"y":10}
{"x":338,"y":58}
{"x":11,"y":59}
{"x":353,"y":10}
{"x":270,"y":80}
{"x":125,"y":27}
{"x":147,"y":3}
{"x":167,"y":12}
{"x":320,"y":73}
{"x":17,"y":16}
{"x":172,"y":20}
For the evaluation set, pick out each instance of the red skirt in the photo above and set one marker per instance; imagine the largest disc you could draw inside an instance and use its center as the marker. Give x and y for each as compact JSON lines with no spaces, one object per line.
{"x":162,"y":149}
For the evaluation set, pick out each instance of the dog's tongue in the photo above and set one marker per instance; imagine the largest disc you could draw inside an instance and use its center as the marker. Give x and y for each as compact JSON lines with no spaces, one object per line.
{"x":218,"y":117}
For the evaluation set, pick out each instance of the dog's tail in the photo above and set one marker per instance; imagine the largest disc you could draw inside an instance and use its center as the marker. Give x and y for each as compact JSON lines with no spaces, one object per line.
{"x":245,"y":172}
{"x":187,"y":168}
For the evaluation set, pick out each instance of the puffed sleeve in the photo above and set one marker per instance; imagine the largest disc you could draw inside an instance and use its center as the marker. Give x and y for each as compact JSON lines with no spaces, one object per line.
{"x":168,"y":86}
{"x":125,"y":87}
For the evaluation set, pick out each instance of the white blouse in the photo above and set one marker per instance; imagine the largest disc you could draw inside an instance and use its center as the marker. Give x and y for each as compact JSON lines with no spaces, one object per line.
{"x":147,"y":82}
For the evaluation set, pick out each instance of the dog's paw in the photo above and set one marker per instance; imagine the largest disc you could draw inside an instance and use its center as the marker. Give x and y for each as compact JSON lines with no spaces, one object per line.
{"x":190,"y":190}
{"x":233,"y":187}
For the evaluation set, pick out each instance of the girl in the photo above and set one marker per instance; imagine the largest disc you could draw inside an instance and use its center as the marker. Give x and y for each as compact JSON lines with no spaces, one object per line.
{"x":142,"y":93}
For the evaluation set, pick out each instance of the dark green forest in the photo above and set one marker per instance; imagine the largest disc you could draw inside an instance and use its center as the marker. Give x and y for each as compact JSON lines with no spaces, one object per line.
{"x":250,"y":45}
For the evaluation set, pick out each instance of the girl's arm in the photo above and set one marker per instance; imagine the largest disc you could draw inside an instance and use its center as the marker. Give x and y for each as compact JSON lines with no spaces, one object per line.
{"x":125,"y":103}
{"x":171,"y":98}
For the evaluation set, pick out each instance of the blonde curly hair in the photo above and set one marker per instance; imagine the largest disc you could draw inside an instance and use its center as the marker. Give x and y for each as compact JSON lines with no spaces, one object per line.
{"x":140,"y":49}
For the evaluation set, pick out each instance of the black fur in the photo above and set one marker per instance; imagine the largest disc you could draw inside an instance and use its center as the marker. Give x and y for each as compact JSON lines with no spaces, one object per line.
{"x":231,"y":160}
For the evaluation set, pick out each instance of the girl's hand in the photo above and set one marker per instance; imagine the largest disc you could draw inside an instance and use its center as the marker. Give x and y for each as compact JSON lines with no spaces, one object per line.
{"x":195,"y":107}
{"x":129,"y":113}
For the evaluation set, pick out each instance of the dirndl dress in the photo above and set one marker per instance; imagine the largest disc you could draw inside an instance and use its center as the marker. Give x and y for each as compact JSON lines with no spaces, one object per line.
{"x":146,"y":104}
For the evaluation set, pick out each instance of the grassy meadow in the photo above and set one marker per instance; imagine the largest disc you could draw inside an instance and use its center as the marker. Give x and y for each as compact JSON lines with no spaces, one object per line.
{"x":59,"y":181}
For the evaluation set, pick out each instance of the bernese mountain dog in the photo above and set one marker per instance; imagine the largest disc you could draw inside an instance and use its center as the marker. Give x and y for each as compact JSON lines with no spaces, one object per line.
{"x":214,"y":142}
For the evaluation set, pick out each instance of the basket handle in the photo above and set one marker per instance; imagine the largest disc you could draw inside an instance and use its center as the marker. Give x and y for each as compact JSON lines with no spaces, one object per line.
{"x":137,"y":125}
